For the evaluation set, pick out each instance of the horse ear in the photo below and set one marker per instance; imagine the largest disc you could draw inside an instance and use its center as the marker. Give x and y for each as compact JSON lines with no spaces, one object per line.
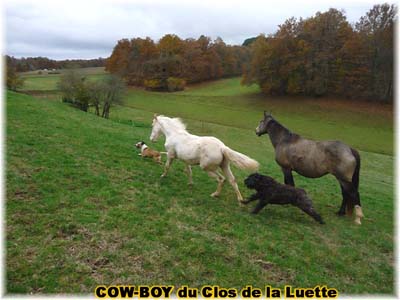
{"x":265,"y":113}
{"x":155,"y":116}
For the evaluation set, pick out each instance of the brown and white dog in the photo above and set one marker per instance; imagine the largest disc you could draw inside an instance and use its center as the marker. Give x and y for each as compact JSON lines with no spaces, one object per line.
{"x":147,"y":152}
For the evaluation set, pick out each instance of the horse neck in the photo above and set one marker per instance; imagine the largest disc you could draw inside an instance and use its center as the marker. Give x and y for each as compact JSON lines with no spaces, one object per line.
{"x":168,"y":130}
{"x":277,"y":133}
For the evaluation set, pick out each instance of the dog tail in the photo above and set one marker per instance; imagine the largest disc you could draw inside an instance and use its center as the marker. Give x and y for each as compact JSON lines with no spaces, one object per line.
{"x":240,"y":160}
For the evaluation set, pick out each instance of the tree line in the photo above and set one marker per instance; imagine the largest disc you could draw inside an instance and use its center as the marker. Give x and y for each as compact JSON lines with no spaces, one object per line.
{"x":40,"y":63}
{"x":172,"y":62}
{"x":326,"y":55}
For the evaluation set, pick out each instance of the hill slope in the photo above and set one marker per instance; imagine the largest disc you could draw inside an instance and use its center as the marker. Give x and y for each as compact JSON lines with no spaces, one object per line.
{"x":83,"y":209}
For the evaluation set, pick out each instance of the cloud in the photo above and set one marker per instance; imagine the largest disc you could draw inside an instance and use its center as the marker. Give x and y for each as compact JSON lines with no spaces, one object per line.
{"x":87,"y":29}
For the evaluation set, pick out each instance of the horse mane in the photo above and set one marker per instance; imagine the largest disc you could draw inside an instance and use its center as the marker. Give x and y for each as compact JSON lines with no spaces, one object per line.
{"x":280,"y":133}
{"x":177,"y":123}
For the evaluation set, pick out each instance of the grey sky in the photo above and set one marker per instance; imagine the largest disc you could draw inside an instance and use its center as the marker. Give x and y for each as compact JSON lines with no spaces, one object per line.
{"x":62,"y":29}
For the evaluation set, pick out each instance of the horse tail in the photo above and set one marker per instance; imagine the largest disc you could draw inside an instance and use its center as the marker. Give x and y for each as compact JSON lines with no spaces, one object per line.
{"x":240,"y":160}
{"x":355,"y":181}
{"x":356,"y":175}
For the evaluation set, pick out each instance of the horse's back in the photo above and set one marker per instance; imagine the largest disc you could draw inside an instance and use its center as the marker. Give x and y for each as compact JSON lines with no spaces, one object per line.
{"x":211,"y":155}
{"x":316,"y":158}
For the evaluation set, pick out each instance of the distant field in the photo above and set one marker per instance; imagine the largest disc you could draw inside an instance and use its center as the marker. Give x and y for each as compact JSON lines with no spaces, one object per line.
{"x":48,"y":82}
{"x":87,"y":71}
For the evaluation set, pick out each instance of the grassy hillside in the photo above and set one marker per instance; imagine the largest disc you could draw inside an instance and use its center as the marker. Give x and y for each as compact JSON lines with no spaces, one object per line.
{"x":83,"y":209}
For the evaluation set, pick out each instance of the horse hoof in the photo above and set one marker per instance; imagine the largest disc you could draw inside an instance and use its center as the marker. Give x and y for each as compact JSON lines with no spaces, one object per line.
{"x":357,"y":221}
{"x":162,"y":176}
{"x":340,"y":213}
{"x":215,"y":195}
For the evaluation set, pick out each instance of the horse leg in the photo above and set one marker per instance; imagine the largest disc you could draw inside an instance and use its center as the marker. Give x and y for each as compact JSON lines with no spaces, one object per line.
{"x":342,"y":210}
{"x":167,"y":165}
{"x":352,"y":201}
{"x":220,"y":180}
{"x":228,"y":173}
{"x":189,"y":172}
{"x":287,"y":173}
{"x":357,"y":206}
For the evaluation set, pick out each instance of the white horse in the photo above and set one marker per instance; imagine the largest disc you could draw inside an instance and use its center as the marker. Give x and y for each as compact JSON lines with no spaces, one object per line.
{"x":208,"y":152}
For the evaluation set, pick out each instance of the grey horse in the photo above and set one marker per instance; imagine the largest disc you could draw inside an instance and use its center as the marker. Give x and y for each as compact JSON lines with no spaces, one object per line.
{"x":315,"y":159}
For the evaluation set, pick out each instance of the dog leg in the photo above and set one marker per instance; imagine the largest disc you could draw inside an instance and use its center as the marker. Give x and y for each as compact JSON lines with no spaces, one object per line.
{"x":252,"y":198}
{"x":260,"y":205}
{"x":306,"y":206}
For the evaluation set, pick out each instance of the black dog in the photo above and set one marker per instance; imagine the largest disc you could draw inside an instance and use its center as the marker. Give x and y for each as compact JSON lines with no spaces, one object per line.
{"x":270,"y":191}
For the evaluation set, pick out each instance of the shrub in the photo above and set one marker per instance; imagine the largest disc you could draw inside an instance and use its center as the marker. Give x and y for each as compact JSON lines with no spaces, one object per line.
{"x":175,"y":84}
{"x":73,"y":90}
{"x":14,"y":82}
{"x":154,"y":84}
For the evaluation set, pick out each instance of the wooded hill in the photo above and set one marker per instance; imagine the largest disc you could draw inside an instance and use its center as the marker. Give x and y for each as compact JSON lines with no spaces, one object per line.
{"x":170,"y":63}
{"x":322,"y":55}
{"x":326,"y":55}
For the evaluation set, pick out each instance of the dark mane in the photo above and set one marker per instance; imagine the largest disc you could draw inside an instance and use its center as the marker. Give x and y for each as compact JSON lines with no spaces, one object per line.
{"x":279,"y":133}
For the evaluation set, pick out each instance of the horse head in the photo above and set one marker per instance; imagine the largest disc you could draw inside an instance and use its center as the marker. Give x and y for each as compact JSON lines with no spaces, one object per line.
{"x":156,"y":129}
{"x":262,"y":127}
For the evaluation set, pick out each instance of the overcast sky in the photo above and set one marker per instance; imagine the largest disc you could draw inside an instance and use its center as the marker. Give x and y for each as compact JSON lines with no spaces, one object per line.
{"x":62,"y":29}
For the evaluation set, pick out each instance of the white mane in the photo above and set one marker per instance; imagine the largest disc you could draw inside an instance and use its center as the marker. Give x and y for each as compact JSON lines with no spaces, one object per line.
{"x":174,"y":122}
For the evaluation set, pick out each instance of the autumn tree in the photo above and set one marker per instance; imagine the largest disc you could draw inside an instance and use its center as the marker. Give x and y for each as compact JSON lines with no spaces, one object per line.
{"x":376,"y":29}
{"x":170,"y":63}
{"x":325,"y":55}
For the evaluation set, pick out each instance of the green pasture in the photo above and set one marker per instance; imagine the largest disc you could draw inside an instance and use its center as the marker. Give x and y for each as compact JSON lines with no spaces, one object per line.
{"x":369,"y":129}
{"x":48,"y":82}
{"x":83,"y":209}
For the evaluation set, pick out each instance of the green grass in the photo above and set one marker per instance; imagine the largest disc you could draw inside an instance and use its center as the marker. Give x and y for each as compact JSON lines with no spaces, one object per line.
{"x":84,"y":209}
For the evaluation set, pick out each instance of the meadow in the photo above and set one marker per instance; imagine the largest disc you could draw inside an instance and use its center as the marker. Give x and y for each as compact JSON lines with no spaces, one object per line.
{"x":84,"y":209}
{"x":36,"y":82}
